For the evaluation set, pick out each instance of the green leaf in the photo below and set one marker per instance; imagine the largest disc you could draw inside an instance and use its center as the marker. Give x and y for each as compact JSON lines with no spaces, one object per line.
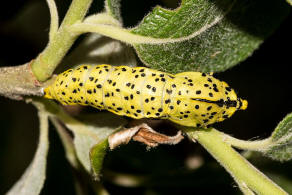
{"x":95,"y":49}
{"x":281,"y":146}
{"x":32,"y":181}
{"x":207,"y":35}
{"x":93,"y":130}
{"x":113,"y":7}
{"x":97,"y":154}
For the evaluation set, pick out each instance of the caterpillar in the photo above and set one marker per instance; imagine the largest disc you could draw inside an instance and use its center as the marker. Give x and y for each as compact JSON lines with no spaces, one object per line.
{"x":190,"y":98}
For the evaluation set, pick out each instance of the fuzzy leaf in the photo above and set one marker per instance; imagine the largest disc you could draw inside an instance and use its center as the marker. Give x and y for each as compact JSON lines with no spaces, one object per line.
{"x":97,"y":154}
{"x":32,"y":181}
{"x":207,"y":35}
{"x":96,"y":49}
{"x":113,"y":7}
{"x":88,"y":134}
{"x":281,"y":147}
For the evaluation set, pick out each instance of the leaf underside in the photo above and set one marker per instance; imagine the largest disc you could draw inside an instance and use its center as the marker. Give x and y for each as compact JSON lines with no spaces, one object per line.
{"x":282,"y":139}
{"x":218,"y":34}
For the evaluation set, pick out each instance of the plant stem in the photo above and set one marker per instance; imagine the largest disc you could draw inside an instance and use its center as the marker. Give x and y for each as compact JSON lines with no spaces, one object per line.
{"x":257,"y":145}
{"x":47,"y":61}
{"x":239,"y":168}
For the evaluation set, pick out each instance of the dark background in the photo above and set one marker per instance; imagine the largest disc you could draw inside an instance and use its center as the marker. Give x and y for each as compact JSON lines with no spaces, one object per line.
{"x":264,"y":80}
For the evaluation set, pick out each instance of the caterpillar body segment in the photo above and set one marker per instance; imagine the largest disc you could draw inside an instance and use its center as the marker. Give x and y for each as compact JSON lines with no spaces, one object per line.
{"x":189,"y":98}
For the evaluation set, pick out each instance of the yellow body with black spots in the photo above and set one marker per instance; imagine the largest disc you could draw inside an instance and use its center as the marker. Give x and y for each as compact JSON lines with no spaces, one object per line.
{"x":190,"y":98}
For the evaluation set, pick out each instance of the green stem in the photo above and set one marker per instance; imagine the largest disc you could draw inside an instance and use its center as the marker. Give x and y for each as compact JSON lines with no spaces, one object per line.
{"x":257,"y":145}
{"x":239,"y":168}
{"x":45,"y":64}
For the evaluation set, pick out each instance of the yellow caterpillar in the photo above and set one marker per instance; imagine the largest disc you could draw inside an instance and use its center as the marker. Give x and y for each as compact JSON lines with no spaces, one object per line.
{"x":189,"y":98}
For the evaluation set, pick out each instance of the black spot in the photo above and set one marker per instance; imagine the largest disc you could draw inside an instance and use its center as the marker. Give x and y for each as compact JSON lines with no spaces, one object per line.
{"x":203,"y":115}
{"x":135,"y":114}
{"x":191,"y":84}
{"x":205,"y":120}
{"x":138,"y":92}
{"x":73,"y":79}
{"x":94,"y":90}
{"x":136,"y":76}
{"x":197,"y":106}
{"x":198,"y":92}
{"x":216,"y":90}
{"x":91,"y":78}
{"x":169,"y":91}
{"x":209,"y":108}
{"x":203,"y":74}
{"x":178,"y":102}
{"x":157,"y":79}
{"x":114,"y":84}
{"x":74,"y":91}
{"x":119,"y":108}
{"x":160,"y":110}
{"x":146,"y":100}
{"x":186,"y":116}
{"x":179,"y":93}
{"x":109,"y":81}
{"x":171,"y":107}
{"x":131,"y":96}
{"x":153,"y":74}
{"x":225,"y":116}
{"x":113,"y":104}
{"x":148,"y":113}
{"x":118,"y":90}
{"x":190,"y":80}
{"x":167,"y":101}
{"x":85,"y":67}
{"x":143,"y":75}
{"x":63,"y":93}
{"x":173,"y":86}
{"x":161,"y":75}
{"x":107,"y":95}
{"x":198,"y":125}
{"x":148,"y":86}
{"x":154,"y":89}
{"x":133,"y":71}
{"x":210,"y":117}
{"x":124,"y":69}
{"x":157,"y":114}
{"x":211,"y":94}
{"x":152,"y":98}
{"x":152,"y":108}
{"x":99,"y":86}
{"x":132,"y":87}
{"x":132,"y":107}
{"x":163,"y":79}
{"x":126,"y":98}
{"x":213,"y":113}
{"x":128,"y":84}
{"x":142,"y":70}
{"x":107,"y":69}
{"x":228,"y":88}
{"x":210,"y":80}
{"x":206,"y":85}
{"x":86,"y":102}
{"x":100,"y":72}
{"x":80,"y":84}
{"x":138,"y":111}
{"x":128,"y":112}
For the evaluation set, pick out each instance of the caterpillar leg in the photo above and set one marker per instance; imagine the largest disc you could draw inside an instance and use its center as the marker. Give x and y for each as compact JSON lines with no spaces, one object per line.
{"x":145,"y":134}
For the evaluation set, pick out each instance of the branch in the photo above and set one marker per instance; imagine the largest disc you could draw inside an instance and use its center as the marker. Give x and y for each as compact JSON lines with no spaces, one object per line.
{"x":18,"y":81}
{"x":239,"y":168}
{"x":45,"y":64}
